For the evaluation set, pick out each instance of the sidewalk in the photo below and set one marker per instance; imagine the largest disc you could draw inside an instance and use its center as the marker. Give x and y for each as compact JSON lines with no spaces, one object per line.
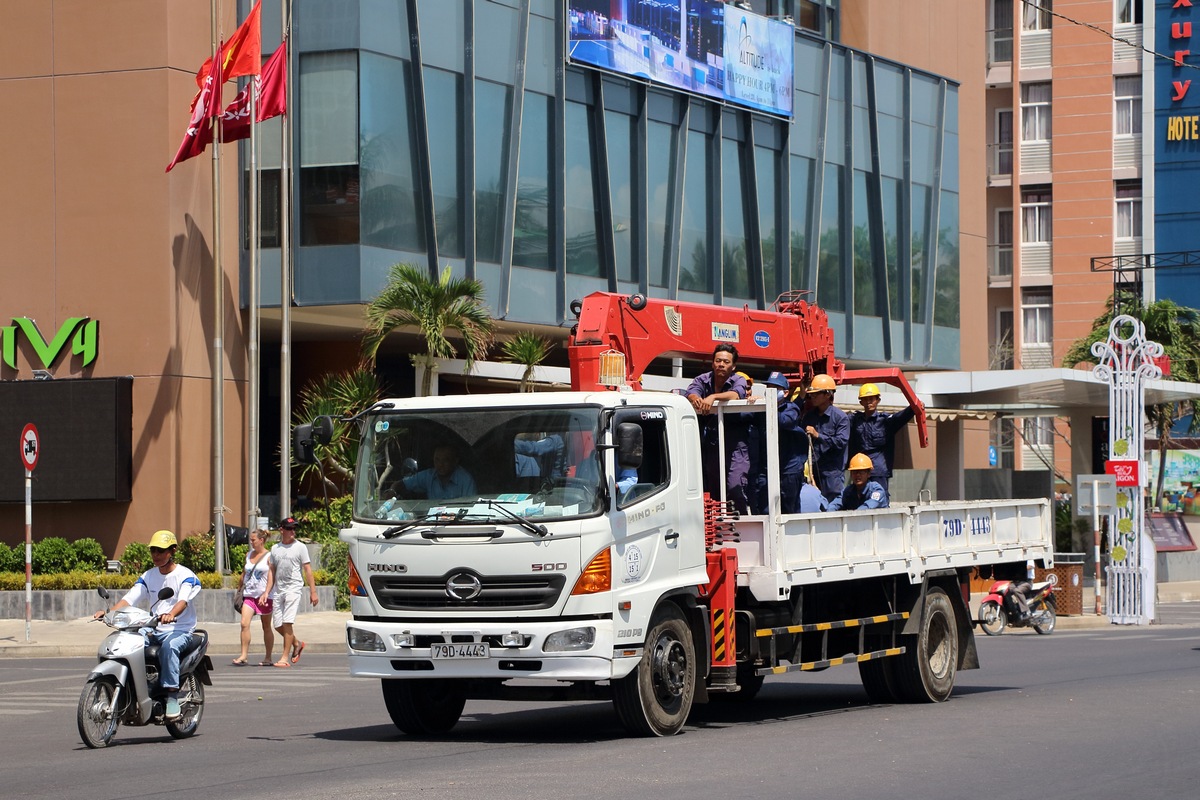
{"x":321,"y":631}
{"x":325,"y":631}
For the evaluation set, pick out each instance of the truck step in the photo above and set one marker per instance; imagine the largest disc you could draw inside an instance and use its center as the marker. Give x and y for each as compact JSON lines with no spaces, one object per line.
{"x":829,"y":626}
{"x":832,"y":662}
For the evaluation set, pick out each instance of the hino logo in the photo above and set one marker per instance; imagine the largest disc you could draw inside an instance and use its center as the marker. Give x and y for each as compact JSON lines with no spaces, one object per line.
{"x":386,"y":568}
{"x":463,"y":586}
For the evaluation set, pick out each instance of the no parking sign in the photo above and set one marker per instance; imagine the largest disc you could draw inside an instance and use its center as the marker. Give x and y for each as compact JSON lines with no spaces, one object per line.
{"x":30,"y":446}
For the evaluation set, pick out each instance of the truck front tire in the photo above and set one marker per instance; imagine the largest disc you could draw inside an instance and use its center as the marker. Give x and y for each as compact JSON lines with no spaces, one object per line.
{"x":424,"y":707}
{"x":656,"y":698}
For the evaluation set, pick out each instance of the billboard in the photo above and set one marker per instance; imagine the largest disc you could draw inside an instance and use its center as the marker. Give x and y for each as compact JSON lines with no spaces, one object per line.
{"x":700,"y":46}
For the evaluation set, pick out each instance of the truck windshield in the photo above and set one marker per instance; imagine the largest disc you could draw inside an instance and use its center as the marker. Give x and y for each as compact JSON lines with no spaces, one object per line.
{"x":464,"y":466}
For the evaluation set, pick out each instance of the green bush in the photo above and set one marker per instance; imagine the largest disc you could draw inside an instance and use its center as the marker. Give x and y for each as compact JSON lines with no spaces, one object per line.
{"x":12,"y":559}
{"x":315,"y":525}
{"x":51,"y":555}
{"x":196,"y":552}
{"x":136,"y":558}
{"x":89,"y":555}
{"x":76,"y":579}
{"x":237,"y":558}
{"x":335,"y":560}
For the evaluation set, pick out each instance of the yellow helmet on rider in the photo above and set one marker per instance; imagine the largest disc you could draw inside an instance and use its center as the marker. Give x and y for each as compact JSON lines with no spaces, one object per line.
{"x":868,"y":390}
{"x":861,"y":461}
{"x":822,"y":383}
{"x":163,"y":540}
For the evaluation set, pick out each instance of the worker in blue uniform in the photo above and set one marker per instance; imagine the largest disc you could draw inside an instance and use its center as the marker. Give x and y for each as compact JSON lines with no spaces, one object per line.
{"x":874,"y":433}
{"x":863,"y":492}
{"x":828,"y":429}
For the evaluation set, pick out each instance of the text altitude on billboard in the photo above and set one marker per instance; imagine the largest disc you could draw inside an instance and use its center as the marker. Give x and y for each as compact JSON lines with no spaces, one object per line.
{"x":700,"y":46}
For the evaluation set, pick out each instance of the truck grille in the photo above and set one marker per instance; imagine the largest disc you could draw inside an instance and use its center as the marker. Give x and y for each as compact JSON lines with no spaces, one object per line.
{"x":415,"y":593}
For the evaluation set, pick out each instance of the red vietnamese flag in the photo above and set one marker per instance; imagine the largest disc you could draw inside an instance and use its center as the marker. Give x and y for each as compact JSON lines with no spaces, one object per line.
{"x":205,"y":105}
{"x":241,"y":54}
{"x":270,"y":93}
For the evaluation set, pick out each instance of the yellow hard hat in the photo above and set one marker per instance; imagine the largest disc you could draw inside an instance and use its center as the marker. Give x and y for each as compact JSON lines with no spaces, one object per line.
{"x":868,"y":390}
{"x":748,"y":379}
{"x":163,"y":540}
{"x":861,"y":461}
{"x":822,"y":383}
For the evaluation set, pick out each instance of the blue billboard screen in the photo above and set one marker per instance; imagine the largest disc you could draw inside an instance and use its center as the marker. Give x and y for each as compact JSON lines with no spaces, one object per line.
{"x":700,"y":46}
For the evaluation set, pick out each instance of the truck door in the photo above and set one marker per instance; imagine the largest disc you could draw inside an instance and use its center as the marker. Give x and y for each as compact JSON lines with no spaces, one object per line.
{"x":645,"y":530}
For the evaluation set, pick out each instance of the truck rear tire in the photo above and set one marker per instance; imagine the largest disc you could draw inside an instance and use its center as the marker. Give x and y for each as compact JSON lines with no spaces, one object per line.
{"x":926,"y":670}
{"x":878,"y":679}
{"x":656,"y":698}
{"x":424,"y":707}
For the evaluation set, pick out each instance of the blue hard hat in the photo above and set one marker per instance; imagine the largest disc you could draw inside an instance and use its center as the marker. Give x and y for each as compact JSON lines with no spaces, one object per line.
{"x":778,"y":380}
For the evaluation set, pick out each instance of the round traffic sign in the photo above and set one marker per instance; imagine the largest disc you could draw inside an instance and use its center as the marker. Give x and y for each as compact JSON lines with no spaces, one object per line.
{"x":30,"y":447}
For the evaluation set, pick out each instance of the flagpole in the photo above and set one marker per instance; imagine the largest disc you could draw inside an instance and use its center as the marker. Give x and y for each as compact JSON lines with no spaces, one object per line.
{"x":252,"y":399}
{"x":218,"y":342}
{"x":285,"y":280}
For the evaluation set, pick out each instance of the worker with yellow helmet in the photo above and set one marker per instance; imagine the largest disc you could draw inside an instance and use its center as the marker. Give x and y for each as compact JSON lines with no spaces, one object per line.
{"x":874,"y":433}
{"x":828,"y":429}
{"x":177,"y":621}
{"x":863,"y":492}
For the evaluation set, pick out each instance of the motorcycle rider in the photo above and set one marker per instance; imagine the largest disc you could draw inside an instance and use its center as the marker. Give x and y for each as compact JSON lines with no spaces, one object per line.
{"x":174,"y":632}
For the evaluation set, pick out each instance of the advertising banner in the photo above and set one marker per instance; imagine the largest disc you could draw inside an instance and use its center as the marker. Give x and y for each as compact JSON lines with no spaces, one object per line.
{"x":700,"y":46}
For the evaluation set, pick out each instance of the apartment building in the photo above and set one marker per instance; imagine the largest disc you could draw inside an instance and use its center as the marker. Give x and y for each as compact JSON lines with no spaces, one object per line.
{"x":1066,"y":187}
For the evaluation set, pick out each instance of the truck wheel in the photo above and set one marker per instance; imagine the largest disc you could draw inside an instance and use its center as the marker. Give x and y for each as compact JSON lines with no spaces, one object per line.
{"x":96,"y":725}
{"x":925,"y":672}
{"x":192,"y":690}
{"x":424,"y":707}
{"x":878,"y":679}
{"x":655,"y":699}
{"x":991,"y":618}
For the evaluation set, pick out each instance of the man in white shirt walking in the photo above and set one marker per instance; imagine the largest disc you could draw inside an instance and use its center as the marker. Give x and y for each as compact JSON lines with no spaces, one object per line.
{"x":291,"y":568}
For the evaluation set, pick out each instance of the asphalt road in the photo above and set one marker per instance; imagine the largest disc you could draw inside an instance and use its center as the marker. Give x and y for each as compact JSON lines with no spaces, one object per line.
{"x":1099,"y":713}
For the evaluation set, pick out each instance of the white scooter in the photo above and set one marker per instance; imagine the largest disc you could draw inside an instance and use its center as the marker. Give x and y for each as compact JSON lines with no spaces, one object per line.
{"x":124,"y":686}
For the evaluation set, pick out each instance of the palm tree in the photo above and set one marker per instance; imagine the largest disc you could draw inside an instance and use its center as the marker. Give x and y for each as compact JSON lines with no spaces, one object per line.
{"x":529,"y":349}
{"x":413,"y":299}
{"x":1177,"y":329}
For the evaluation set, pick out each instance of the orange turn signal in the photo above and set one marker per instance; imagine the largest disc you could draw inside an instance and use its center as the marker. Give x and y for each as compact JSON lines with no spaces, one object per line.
{"x":597,"y":575}
{"x":354,"y":584}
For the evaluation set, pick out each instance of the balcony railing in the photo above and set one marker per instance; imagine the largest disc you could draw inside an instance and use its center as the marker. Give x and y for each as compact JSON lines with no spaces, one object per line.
{"x":1000,"y":263}
{"x":1000,"y":46}
{"x":1000,"y":160}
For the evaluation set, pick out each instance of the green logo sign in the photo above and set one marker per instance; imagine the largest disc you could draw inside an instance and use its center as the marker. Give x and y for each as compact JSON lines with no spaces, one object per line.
{"x":86,"y":331}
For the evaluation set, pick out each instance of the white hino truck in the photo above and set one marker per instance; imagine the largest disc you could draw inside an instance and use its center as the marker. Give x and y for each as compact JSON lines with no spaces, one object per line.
{"x":560,"y":545}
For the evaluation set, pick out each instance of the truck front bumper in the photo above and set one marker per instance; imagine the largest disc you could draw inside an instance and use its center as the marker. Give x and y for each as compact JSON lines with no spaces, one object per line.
{"x":407,"y":650}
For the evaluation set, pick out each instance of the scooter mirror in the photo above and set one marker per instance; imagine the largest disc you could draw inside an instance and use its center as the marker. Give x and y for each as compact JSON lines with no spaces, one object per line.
{"x":100,"y":590}
{"x":165,"y":592}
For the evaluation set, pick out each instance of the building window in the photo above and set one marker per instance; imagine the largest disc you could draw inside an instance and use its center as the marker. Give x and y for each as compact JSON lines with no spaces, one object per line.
{"x":329,"y":179}
{"x":1002,"y":266}
{"x":1036,"y":15}
{"x":1129,"y":210}
{"x":1128,"y":11}
{"x":1002,"y":31}
{"x":1127,"y":101}
{"x":1001,"y":351}
{"x":1037,"y":316}
{"x":1035,"y":216}
{"x":1035,"y":112}
{"x":818,"y":16}
{"x":1039,"y":431}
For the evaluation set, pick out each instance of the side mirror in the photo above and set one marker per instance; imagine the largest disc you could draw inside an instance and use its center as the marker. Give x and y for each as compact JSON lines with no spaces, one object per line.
{"x":322,"y":430}
{"x":302,"y":444}
{"x":100,"y":590}
{"x":629,"y":445}
{"x":408,"y":468}
{"x":165,"y":592}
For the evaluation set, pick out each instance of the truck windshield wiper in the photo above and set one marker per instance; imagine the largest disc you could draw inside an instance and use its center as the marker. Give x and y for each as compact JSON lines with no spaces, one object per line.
{"x":535,"y":528}
{"x":408,"y":524}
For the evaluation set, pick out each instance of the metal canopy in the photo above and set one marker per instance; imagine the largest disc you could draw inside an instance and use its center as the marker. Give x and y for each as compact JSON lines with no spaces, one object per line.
{"x":1036,"y":392}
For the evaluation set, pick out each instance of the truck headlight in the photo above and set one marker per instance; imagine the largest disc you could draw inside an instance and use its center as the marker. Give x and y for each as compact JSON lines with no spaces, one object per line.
{"x":570,"y":640}
{"x":358,"y":639}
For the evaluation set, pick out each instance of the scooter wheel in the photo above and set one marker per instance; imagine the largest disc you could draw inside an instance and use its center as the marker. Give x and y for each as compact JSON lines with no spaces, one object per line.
{"x":991,"y":618}
{"x":96,"y":717}
{"x":192,"y":701}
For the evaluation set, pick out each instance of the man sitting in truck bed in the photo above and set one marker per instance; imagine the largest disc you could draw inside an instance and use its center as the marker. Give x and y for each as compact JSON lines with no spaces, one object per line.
{"x":862,"y":491}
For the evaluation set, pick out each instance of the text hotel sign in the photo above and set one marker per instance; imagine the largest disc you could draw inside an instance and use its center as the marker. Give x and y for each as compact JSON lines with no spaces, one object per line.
{"x":1175,"y":97}
{"x":83,"y":333}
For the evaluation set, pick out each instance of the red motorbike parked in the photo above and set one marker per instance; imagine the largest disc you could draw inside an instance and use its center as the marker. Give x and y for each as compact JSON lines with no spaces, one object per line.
{"x":1002,"y":607}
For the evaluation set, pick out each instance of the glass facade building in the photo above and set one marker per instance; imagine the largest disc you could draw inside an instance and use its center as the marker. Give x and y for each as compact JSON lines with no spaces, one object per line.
{"x":458,"y":132}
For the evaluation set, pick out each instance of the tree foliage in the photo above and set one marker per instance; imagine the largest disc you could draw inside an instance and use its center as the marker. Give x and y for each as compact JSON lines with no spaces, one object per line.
{"x":434,"y":307}
{"x":337,"y":395}
{"x":528,"y":349}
